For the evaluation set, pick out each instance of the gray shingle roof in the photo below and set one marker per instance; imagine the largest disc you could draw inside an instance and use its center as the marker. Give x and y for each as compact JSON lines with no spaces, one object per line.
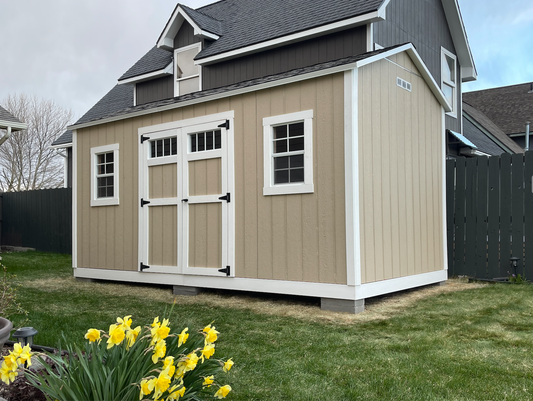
{"x":473,"y":133}
{"x":64,"y":139}
{"x":103,"y":110}
{"x":205,"y":22}
{"x":118,"y":98}
{"x":7,"y":116}
{"x":508,"y":107}
{"x":155,"y":60}
{"x":248,"y":22}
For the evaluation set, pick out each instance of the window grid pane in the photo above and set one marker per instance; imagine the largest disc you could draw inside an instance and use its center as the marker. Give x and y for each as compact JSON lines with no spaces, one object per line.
{"x":288,"y":149}
{"x":104,"y":175}
{"x":163,"y":147}
{"x":205,"y":141}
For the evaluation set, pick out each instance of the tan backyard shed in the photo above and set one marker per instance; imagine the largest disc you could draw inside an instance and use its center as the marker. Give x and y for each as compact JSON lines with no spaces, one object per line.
{"x":201,"y":194}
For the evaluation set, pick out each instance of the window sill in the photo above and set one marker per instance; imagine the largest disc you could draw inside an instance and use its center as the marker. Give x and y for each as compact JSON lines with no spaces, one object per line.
{"x":289,"y":189}
{"x":104,"y":202}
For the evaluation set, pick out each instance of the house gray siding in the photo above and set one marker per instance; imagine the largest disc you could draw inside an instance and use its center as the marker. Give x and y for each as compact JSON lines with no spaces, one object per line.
{"x":423,"y":23}
{"x":185,"y":36}
{"x":313,"y":51}
{"x":155,"y":89}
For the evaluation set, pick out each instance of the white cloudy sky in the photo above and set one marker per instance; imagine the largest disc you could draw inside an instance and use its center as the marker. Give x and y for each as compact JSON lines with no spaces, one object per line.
{"x":73,"y":51}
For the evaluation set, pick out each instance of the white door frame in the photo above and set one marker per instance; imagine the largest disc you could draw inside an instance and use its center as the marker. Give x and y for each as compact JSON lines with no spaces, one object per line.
{"x":181,"y":128}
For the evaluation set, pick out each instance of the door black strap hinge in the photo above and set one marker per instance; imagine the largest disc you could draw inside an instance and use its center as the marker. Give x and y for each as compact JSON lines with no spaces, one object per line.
{"x":144,"y":267}
{"x":226,"y":197}
{"x":144,"y":138}
{"x":225,"y":270}
{"x":224,"y":125}
{"x":143,"y":202}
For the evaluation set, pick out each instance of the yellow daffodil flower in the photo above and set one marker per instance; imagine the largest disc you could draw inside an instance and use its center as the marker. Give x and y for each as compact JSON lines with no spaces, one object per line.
{"x":131,"y":336}
{"x":160,"y":350}
{"x":211,"y":334}
{"x":228,"y":365}
{"x":162,"y":382}
{"x":125,"y":323}
{"x":191,"y":361}
{"x":160,"y":331}
{"x":208,"y":351}
{"x":116,"y":335}
{"x":169,"y":360}
{"x":147,"y":386}
{"x":93,"y":335}
{"x":17,"y":350}
{"x":223,"y":391}
{"x":25,"y":356}
{"x":8,"y":375}
{"x":182,"y":338}
{"x":156,"y":322}
{"x":180,"y":371}
{"x":10,"y":362}
{"x":176,"y":394}
{"x":208,"y":381}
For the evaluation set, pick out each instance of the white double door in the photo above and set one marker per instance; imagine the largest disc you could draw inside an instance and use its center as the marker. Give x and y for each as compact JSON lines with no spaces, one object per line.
{"x":186,"y":210}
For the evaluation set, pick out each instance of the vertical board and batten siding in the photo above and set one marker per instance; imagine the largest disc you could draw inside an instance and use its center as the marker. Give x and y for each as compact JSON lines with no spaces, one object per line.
{"x":297,"y":55}
{"x":411,"y":21}
{"x":155,"y":89}
{"x":283,"y":237}
{"x":185,"y":36}
{"x":400,"y":172}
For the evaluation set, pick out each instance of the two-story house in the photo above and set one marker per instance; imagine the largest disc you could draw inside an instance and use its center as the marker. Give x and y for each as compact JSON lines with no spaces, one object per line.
{"x":280,"y":147}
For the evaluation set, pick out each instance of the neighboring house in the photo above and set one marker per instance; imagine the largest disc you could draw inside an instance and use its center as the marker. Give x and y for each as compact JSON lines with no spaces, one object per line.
{"x":10,"y":123}
{"x":508,"y":107}
{"x":481,"y":137}
{"x":275,"y":147}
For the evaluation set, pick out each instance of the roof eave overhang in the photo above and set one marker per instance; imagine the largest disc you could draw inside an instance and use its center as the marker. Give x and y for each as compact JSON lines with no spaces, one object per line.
{"x":14,"y":125}
{"x":166,"y":39}
{"x":146,"y":77}
{"x":364,"y":19}
{"x":341,"y":68}
{"x":61,"y":145}
{"x":460,"y":40}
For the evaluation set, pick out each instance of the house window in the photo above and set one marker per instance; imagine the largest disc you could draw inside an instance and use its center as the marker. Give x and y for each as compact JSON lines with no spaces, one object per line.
{"x":449,"y":79}
{"x":288,"y":153}
{"x":163,"y":147}
{"x":187,"y":74}
{"x":203,"y":141}
{"x":104,"y":175}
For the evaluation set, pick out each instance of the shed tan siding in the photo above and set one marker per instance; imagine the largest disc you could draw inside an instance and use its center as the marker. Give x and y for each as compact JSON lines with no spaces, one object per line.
{"x":400,"y":170}
{"x":283,"y":237}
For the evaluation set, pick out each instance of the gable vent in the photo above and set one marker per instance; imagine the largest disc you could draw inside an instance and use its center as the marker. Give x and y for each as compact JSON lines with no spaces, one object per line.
{"x":402,"y":83}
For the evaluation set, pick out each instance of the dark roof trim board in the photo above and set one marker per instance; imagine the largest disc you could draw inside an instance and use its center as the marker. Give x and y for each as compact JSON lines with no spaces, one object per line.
{"x":179,"y":15}
{"x":253,"y":85}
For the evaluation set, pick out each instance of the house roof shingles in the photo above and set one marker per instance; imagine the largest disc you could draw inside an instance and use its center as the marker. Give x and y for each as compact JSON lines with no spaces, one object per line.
{"x":473,"y":133}
{"x":204,"y":21}
{"x":8,"y":117}
{"x":508,"y":107}
{"x":119,"y":101}
{"x":248,"y":22}
{"x":155,"y":60}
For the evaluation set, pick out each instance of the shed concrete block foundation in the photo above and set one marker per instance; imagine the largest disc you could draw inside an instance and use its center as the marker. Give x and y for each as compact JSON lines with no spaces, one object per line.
{"x":343,"y":305}
{"x":183,"y":290}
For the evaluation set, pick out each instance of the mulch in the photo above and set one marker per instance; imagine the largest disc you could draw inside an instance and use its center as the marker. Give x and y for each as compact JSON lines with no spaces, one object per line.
{"x":20,"y":389}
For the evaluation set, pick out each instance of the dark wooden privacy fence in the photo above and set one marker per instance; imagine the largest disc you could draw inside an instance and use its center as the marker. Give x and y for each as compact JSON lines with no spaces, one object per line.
{"x":490,"y":215}
{"x":39,"y":219}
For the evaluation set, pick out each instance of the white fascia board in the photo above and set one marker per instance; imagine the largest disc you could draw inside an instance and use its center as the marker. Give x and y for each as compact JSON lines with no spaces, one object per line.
{"x":166,"y":40}
{"x":151,"y":75}
{"x":293,"y":38}
{"x":382,"y":11}
{"x":417,"y":60}
{"x":61,"y":146}
{"x":460,"y":40}
{"x":14,"y":126}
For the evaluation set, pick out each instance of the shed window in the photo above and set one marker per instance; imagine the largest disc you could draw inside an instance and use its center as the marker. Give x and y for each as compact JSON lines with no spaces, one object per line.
{"x":163,"y":147}
{"x":204,"y":141}
{"x":186,"y":73}
{"x":288,"y":153}
{"x":104,"y":177}
{"x":449,"y":78}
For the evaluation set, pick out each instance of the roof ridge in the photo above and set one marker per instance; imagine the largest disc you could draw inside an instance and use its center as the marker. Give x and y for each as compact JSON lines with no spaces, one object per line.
{"x":201,"y":12}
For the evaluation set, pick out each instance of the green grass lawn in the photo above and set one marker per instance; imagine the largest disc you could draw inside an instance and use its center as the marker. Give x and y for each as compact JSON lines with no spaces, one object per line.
{"x":474,"y":344}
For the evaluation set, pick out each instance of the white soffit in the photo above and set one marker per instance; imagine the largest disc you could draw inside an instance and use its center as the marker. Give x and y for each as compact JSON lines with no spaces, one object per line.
{"x":460,"y":40}
{"x":166,"y":40}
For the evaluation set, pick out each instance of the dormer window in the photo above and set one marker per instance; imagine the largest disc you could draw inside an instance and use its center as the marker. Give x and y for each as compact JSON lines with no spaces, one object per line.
{"x":449,"y":78}
{"x":186,"y":73}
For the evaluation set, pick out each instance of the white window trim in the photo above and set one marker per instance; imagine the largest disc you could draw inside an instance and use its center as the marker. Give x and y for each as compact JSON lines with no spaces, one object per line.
{"x":94,"y":153}
{"x":443,"y":54}
{"x":178,"y":80}
{"x":269,"y":188}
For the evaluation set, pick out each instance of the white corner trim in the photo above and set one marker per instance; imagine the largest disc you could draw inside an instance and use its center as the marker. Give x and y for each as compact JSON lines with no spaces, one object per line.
{"x":369,"y":37}
{"x":337,"y":291}
{"x":443,"y":190}
{"x":74,"y":199}
{"x":377,"y":288}
{"x":293,"y":38}
{"x":150,"y":75}
{"x":351,"y":176}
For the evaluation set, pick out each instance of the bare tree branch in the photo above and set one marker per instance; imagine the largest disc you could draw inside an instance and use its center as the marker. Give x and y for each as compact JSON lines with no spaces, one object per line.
{"x":26,"y":160}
